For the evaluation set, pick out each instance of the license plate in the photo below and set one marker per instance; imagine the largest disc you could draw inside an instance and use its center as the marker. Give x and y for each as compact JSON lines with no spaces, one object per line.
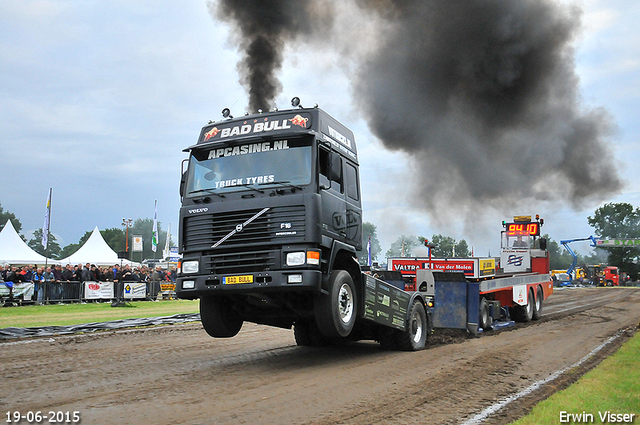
{"x":230,"y":280}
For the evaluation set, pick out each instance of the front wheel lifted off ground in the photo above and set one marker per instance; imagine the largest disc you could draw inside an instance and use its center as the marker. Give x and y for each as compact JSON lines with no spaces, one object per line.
{"x":218,"y":317}
{"x":335,"y":312}
{"x":414,"y":338}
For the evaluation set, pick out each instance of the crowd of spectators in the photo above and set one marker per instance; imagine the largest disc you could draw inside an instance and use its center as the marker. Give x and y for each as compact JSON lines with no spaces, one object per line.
{"x":43,"y":278}
{"x":88,"y":272}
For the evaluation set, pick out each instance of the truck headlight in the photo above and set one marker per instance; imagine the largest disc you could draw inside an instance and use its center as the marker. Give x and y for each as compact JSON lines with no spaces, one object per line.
{"x":190,"y":266}
{"x":296,"y":258}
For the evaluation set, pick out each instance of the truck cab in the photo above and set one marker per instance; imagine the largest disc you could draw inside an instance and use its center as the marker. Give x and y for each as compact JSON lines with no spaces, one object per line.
{"x":270,"y":223}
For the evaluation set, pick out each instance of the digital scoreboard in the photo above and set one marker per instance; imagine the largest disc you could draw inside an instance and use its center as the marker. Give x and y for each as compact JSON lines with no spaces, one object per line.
{"x":523,"y":229}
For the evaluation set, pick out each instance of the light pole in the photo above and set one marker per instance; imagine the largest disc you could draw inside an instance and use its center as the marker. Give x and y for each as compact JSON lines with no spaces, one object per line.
{"x":126,"y":222}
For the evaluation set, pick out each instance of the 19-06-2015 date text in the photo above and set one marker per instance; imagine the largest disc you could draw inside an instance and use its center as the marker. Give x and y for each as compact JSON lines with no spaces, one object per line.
{"x":38,"y":417}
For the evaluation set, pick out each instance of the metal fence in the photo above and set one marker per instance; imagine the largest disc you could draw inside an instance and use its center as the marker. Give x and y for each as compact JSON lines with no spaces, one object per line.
{"x":70,"y":292}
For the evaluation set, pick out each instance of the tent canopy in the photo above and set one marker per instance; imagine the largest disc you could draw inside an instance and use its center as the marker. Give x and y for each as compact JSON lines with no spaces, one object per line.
{"x":95,"y":251}
{"x":13,"y":250}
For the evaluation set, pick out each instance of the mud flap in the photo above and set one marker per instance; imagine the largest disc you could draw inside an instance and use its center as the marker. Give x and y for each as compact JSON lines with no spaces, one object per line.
{"x":456,"y":303}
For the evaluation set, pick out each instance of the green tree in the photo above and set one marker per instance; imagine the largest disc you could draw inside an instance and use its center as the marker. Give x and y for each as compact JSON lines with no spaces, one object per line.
{"x":35,"y":243}
{"x":404,"y":245}
{"x":6,"y":215}
{"x":448,"y":247}
{"x":73,"y":247}
{"x":369,"y":230}
{"x":115,"y":238}
{"x":559,"y":257}
{"x":619,"y":220}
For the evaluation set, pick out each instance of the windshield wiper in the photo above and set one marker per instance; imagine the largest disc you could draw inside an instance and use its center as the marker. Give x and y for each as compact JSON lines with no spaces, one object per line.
{"x":250,"y":186}
{"x":211,"y":191}
{"x":286,"y":183}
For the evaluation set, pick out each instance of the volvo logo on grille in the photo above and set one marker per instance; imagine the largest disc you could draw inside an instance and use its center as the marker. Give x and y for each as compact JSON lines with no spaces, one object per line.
{"x":198,"y":210}
{"x":239,"y":227}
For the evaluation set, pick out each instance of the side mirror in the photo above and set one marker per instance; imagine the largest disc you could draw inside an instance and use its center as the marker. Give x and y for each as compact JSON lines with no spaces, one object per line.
{"x":183,"y":179}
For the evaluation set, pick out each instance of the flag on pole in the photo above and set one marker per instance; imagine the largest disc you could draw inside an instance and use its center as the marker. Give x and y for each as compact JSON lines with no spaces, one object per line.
{"x":165,"y":252}
{"x":369,"y":251}
{"x":154,"y":236}
{"x":47,"y":218}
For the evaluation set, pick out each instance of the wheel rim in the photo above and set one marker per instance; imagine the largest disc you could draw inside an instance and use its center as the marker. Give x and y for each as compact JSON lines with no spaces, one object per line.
{"x":345,"y":303}
{"x":416,"y":327}
{"x":538,"y":302}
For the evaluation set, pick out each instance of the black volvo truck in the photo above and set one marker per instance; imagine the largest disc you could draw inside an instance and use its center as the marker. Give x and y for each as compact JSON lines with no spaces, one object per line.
{"x":270,"y":223}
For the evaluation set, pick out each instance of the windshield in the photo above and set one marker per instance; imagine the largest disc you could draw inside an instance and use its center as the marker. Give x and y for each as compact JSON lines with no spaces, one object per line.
{"x":236,"y":166}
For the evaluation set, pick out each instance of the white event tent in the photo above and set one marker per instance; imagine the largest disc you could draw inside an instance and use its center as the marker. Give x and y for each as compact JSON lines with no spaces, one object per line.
{"x":13,"y":250}
{"x":95,"y":251}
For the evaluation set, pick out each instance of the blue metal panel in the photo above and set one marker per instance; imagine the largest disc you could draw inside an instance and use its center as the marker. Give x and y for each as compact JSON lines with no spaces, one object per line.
{"x":456,"y":305}
{"x":450,"y":305}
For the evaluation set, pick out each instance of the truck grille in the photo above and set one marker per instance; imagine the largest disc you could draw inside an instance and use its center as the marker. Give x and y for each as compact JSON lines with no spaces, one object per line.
{"x":278,"y":224}
{"x":238,"y":263}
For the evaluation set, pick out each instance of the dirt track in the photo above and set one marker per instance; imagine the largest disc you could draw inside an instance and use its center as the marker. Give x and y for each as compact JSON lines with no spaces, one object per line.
{"x":177,"y":374}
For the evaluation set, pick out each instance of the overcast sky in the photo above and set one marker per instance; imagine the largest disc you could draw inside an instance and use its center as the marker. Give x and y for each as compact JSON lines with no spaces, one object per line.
{"x":99,"y":99}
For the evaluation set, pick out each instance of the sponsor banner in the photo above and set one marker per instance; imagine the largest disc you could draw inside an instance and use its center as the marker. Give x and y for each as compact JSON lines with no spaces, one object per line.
{"x":602,"y":243}
{"x":137,"y":243}
{"x":98,"y":290}
{"x":135,"y":290}
{"x":171,"y":287}
{"x":471,"y":267}
{"x":24,"y":289}
{"x":515,"y":260}
{"x":291,"y":123}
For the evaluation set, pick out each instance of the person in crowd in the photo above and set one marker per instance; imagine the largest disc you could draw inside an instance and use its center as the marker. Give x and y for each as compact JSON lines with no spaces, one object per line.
{"x":57,"y":273}
{"x":14,"y":275}
{"x":49,"y":279}
{"x":2,"y":272}
{"x":27,"y":273}
{"x":136,"y":275}
{"x":86,"y":273}
{"x":96,"y":274}
{"x":144,"y":274}
{"x":125,"y":274}
{"x":115,"y":272}
{"x":67,"y":274}
{"x":172,"y":275}
{"x":38,"y":282}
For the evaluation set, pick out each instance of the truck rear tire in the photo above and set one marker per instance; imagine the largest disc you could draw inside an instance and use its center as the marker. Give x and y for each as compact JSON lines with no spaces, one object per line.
{"x":218,"y":318}
{"x":485,"y":317}
{"x":524,"y":313}
{"x":537,"y":307}
{"x":336,"y":312}
{"x":414,"y":338}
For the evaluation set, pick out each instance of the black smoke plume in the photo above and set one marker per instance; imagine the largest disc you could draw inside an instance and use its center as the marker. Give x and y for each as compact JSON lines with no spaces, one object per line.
{"x":262,"y":29}
{"x":482,"y":95}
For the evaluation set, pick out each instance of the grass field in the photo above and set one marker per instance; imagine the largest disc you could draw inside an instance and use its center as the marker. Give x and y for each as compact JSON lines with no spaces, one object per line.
{"x":76,"y":314}
{"x":613,"y":386}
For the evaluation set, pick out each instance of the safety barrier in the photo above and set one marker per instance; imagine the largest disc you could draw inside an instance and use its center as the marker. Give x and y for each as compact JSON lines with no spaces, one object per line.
{"x":69,"y":292}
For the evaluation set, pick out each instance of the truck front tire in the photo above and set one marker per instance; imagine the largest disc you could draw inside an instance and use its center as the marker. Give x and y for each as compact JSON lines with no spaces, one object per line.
{"x":336,"y":312}
{"x":218,"y":317}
